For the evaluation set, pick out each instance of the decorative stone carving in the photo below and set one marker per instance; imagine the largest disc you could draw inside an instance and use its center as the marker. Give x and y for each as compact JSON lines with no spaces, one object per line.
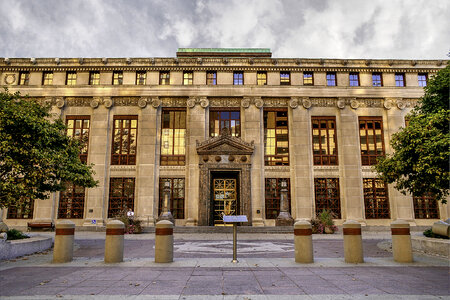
{"x":225,"y":144}
{"x":306,"y":102}
{"x":298,"y":61}
{"x":218,"y":158}
{"x":387,"y":104}
{"x":204,"y":102}
{"x":354,"y":104}
{"x":371,"y":103}
{"x":7,"y":61}
{"x":250,"y":61}
{"x":243,"y":159}
{"x":323,"y":102}
{"x":199,"y":60}
{"x":142,"y":103}
{"x":126,"y":101}
{"x":156,"y":102}
{"x":224,"y":102}
{"x":274,"y":61}
{"x":173,"y":102}
{"x":95,"y":102}
{"x":10,"y":78}
{"x":340,"y":103}
{"x":245,"y":103}
{"x":81,"y":60}
{"x":401,"y":104}
{"x":205,"y":158}
{"x":33,"y":61}
{"x":225,"y":60}
{"x":259,"y":103}
{"x":104,"y":60}
{"x":108,"y":102}
{"x":50,"y":101}
{"x":293,"y":103}
{"x":78,"y":101}
{"x":128,"y":60}
{"x":275,"y":102}
{"x":191,"y":102}
{"x":231,"y":158}
{"x":57,"y":61}
{"x":60,"y":103}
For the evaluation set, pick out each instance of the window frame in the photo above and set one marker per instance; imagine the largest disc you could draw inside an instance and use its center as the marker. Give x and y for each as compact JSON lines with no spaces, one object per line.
{"x":352,"y":79}
{"x":427,"y":210}
{"x":25,"y":75}
{"x":261,"y":81}
{"x":398,"y":82}
{"x":273,"y":159}
{"x":422,"y":83}
{"x":177,"y":212}
{"x":120,"y":158}
{"x":325,"y":159}
{"x":16,"y":212}
{"x":238,"y":78}
{"x":71,"y":205}
{"x":376,"y":82}
{"x":125,"y":200}
{"x":83,"y":153}
{"x":374,"y":210}
{"x":141,"y":77}
{"x":188,"y":78}
{"x":306,"y":80}
{"x":173,"y":159}
{"x":164,"y":80}
{"x":45,"y":80}
{"x":212,"y":124}
{"x":72,"y":81}
{"x":331,"y":80}
{"x":371,"y":159}
{"x":213,"y":80}
{"x":119,"y":79}
{"x":92,"y":79}
{"x":324,"y":200}
{"x":285,"y":82}
{"x":272,"y":201}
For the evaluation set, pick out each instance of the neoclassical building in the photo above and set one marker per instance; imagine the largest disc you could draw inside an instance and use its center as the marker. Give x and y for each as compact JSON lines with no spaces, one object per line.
{"x":226,"y":130}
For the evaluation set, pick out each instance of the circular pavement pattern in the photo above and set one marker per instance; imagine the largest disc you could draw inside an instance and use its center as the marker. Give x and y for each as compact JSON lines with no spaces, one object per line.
{"x":244,"y":247}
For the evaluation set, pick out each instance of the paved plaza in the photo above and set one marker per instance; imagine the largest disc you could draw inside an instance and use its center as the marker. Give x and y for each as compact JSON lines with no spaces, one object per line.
{"x":202,"y":269}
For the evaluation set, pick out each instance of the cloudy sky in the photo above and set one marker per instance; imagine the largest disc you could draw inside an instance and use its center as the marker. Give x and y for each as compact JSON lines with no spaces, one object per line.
{"x":290,"y":28}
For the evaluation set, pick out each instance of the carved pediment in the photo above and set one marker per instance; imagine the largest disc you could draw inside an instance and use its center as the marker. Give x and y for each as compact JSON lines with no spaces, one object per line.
{"x":225,"y":144}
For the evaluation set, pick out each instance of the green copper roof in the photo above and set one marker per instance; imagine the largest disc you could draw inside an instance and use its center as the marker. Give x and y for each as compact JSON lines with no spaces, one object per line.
{"x":226,"y":50}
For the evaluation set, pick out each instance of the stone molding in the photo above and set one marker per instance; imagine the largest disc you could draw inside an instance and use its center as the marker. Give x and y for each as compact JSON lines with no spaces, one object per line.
{"x":225,"y":144}
{"x":10,"y":79}
{"x":119,"y":168}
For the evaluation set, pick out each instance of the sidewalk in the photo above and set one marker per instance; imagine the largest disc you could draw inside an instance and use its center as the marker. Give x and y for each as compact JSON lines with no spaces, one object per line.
{"x":202,"y":269}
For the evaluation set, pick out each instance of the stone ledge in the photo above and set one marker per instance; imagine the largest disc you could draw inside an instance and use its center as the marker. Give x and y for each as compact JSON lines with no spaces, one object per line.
{"x":16,"y":248}
{"x":431,"y":246}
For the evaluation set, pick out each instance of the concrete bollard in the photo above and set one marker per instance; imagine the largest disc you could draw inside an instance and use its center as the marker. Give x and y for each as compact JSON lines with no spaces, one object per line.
{"x":64,"y":237}
{"x":401,"y":241}
{"x":114,"y":241}
{"x":303,"y":242}
{"x":164,"y":242}
{"x":353,"y":249}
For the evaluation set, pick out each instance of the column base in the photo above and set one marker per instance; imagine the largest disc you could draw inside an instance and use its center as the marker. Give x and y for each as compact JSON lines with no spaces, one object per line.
{"x":191,"y":222}
{"x":257,"y":222}
{"x":284,"y":219}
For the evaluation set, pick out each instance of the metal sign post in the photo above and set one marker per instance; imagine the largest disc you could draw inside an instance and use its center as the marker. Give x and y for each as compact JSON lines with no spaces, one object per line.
{"x":235,"y":220}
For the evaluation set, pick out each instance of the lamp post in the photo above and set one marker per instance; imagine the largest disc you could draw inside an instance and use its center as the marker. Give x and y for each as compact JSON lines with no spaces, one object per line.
{"x":284,"y":218}
{"x":165,"y":213}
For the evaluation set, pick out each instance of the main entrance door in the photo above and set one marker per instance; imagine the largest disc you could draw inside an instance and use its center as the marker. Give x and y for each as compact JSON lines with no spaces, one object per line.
{"x":225,"y":199}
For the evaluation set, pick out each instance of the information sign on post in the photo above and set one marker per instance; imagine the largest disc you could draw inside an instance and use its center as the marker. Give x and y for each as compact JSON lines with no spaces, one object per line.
{"x":235,"y":220}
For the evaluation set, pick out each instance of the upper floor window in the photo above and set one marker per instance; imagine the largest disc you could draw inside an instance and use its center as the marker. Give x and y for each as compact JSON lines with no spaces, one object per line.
{"x":377,"y":79}
{"x":399,"y":79}
{"x":211,"y":78}
{"x":308,"y":78}
{"x":276,"y":138}
{"x":422,"y":78}
{"x":117,"y":78}
{"x":24,"y":78}
{"x":141,"y":78}
{"x":324,"y":141}
{"x":354,"y":79}
{"x":47,"y":78}
{"x":331,"y":79}
{"x":188,"y":78}
{"x":124,"y":140}
{"x":173,"y":135}
{"x":220,"y":119}
{"x":261,"y":78}
{"x":78,"y":128}
{"x":371,"y":139}
{"x":164,"y":78}
{"x":285,"y":78}
{"x":238,"y":78}
{"x":71,"y":78}
{"x":94,"y":78}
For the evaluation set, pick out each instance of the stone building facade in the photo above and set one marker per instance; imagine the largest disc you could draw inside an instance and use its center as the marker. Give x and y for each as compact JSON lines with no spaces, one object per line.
{"x":223,"y":130}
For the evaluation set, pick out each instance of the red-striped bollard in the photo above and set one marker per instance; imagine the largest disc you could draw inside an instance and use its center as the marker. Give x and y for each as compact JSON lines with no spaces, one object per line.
{"x":64,"y":237}
{"x":114,"y":241}
{"x":401,"y":241}
{"x":164,"y":242}
{"x":353,"y":249}
{"x":303,"y":242}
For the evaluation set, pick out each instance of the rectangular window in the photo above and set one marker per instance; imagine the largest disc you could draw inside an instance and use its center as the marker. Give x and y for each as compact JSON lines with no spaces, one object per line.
{"x":24,"y":78}
{"x":376,"y":200}
{"x":285,"y":78}
{"x":173,"y":138}
{"x":176,"y":189}
{"x":78,"y":128}
{"x":220,"y":119}
{"x":141,"y":78}
{"x":276,"y":138}
{"x":422,"y":78}
{"x":371,"y":139}
{"x":71,"y":78}
{"x":164,"y":78}
{"x":327,"y":197}
{"x":21,"y":210}
{"x":121,"y":196}
{"x":426,"y":207}
{"x":399,"y":79}
{"x":71,"y":202}
{"x":273,"y":196}
{"x":354,"y":79}
{"x":331,"y":79}
{"x":324,"y":141}
{"x":238,"y":78}
{"x":261,"y":78}
{"x":94,"y":78}
{"x":124,"y":140}
{"x":377,"y":79}
{"x":308,"y":78}
{"x":211,"y":78}
{"x":188,"y":78}
{"x":47,"y":78}
{"x":117,"y":78}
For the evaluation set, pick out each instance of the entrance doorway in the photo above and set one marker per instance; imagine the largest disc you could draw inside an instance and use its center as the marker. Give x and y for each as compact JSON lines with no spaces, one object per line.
{"x":224,"y":196}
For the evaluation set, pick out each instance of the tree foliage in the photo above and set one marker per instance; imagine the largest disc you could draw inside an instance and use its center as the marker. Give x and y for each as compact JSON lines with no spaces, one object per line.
{"x":420,"y":162}
{"x":36,"y":156}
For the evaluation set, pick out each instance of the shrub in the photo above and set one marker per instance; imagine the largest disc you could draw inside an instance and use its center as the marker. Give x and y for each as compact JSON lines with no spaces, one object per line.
{"x":14,"y":234}
{"x":132,"y":224}
{"x":323,"y":222}
{"x":429,"y":233}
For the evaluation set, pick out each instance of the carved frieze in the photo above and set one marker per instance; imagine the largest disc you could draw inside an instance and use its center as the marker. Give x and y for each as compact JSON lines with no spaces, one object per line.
{"x":79,"y":101}
{"x":125,"y":101}
{"x":275,"y":102}
{"x":224,"y":102}
{"x":173,"y":102}
{"x":323,"y":102}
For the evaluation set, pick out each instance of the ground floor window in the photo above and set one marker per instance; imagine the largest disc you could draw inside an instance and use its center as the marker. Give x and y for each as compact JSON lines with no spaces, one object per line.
{"x":176,"y":190}
{"x":121,"y":195}
{"x":326,"y":192}
{"x":273,"y":196}
{"x":376,"y":199}
{"x":71,"y":202}
{"x":22,"y":210}
{"x":426,"y":207}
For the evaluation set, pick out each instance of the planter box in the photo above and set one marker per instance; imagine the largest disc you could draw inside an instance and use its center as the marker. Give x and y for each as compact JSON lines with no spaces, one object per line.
{"x":16,"y":248}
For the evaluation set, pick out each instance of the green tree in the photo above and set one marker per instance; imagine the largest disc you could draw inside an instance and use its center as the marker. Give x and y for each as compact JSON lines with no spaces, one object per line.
{"x":36,"y":156}
{"x":420,"y":162}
